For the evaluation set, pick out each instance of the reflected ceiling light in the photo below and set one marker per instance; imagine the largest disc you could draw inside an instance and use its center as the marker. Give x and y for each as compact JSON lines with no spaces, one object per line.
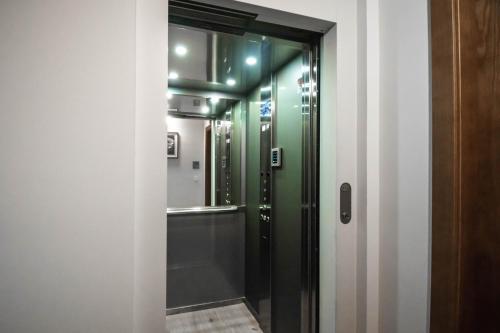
{"x":205,"y":109}
{"x":173,"y":75}
{"x":268,"y":88}
{"x":250,"y":61}
{"x":169,"y":95}
{"x":231,"y":82}
{"x":214,"y":99}
{"x":181,"y":50}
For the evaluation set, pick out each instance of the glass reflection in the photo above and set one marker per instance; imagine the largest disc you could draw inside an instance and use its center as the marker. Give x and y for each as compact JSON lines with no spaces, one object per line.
{"x":204,"y":150}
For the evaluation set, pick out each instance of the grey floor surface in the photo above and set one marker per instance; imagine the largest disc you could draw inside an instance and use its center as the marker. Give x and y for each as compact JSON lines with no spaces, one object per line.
{"x":228,"y":319}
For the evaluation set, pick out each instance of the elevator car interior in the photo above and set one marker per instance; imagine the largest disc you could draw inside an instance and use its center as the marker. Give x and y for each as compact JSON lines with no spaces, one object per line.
{"x":242,"y":219}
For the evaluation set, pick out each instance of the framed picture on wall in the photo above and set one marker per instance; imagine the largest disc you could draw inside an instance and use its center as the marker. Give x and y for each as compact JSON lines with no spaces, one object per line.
{"x":173,"y":145}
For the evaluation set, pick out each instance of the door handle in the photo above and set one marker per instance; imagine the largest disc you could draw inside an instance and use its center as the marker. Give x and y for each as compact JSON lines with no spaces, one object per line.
{"x":345,"y":203}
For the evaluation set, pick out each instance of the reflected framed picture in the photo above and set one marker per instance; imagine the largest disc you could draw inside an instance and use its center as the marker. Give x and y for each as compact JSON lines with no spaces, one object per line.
{"x":173,"y":145}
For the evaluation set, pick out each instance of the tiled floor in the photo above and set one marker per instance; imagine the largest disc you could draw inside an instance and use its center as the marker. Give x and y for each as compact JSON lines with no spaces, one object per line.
{"x":227,"y":319}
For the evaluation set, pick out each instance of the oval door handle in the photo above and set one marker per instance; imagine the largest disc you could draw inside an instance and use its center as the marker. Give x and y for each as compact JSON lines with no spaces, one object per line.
{"x":345,"y":203}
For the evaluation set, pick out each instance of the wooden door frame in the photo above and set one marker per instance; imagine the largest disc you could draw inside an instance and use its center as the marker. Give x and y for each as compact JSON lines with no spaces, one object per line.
{"x":445,"y":167}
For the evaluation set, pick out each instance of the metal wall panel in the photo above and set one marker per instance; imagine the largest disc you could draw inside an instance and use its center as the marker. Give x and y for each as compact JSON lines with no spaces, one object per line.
{"x":205,"y":258}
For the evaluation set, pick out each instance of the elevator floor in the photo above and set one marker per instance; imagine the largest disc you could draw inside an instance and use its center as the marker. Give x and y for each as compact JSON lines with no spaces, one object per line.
{"x":234,"y":318}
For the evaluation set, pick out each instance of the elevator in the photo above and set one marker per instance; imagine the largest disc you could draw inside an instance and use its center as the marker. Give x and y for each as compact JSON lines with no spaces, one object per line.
{"x":242,"y":222}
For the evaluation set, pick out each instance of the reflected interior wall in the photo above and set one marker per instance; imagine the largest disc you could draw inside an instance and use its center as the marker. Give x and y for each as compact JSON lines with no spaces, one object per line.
{"x":186,"y":184}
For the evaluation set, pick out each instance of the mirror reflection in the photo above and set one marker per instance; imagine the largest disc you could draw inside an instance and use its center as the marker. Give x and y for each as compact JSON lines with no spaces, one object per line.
{"x":204,"y":150}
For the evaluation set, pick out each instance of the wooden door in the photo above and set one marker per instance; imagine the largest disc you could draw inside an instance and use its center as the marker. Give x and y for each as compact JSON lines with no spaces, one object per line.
{"x":465,"y":295}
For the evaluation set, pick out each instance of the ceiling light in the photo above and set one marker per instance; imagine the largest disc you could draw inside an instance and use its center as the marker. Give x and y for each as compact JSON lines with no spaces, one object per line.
{"x":169,"y":95}
{"x":250,"y":61}
{"x":264,"y":89}
{"x":205,"y":109}
{"x":231,"y":82}
{"x":214,"y":99}
{"x":181,"y":50}
{"x":173,"y":76}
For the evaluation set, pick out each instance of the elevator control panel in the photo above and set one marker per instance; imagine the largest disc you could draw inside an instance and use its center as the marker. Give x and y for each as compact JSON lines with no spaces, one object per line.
{"x":276,"y":157}
{"x":265,"y":222}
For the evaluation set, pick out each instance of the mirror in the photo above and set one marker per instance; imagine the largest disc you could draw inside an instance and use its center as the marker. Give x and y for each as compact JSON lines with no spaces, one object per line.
{"x":205,"y":140}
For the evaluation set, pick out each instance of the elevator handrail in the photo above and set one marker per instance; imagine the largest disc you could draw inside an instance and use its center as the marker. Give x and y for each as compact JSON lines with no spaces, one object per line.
{"x":201,"y":210}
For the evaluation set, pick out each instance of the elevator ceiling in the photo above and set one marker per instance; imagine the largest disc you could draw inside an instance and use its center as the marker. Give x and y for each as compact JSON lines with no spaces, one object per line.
{"x":218,"y":62}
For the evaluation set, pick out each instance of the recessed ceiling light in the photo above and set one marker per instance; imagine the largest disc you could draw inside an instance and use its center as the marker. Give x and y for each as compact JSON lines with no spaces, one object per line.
{"x":214,"y":99}
{"x":181,"y":50}
{"x":231,"y":82}
{"x":250,"y":61}
{"x":205,"y":109}
{"x":173,"y":75}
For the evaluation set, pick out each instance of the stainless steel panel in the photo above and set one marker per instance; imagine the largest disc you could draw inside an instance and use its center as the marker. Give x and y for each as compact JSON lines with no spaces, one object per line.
{"x":205,"y":258}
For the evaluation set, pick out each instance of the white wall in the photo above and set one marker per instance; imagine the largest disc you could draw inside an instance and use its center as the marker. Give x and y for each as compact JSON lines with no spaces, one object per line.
{"x":327,"y":195}
{"x":373,"y":166}
{"x":73,"y":222}
{"x":67,"y":122}
{"x":186,"y":186}
{"x":150,"y":229}
{"x":404,"y":166}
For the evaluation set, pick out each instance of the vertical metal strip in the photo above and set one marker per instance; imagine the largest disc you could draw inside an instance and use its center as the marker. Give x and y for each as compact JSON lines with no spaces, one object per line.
{"x":305,"y":211}
{"x":266,"y":191}
{"x":314,"y":189}
{"x":310,"y":188}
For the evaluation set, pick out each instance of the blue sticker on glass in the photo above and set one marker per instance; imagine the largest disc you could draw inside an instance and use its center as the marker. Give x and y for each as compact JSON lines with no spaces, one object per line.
{"x":265,"y":109}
